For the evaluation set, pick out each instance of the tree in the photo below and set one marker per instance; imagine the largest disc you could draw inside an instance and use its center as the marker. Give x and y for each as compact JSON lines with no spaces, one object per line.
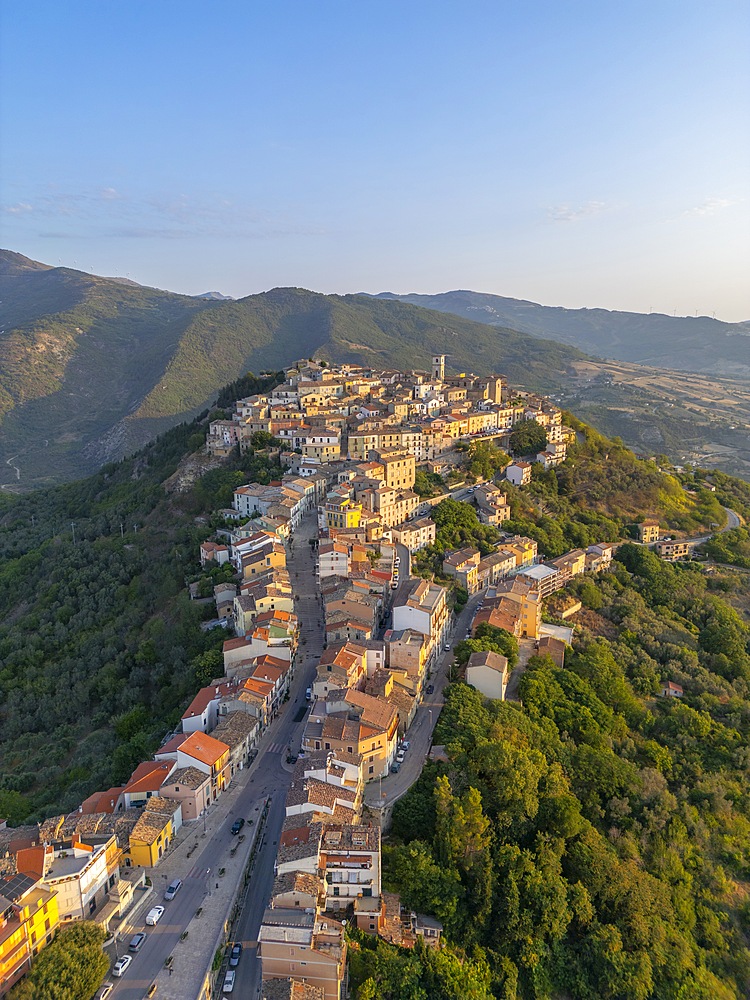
{"x":73,"y":967}
{"x":528,"y":438}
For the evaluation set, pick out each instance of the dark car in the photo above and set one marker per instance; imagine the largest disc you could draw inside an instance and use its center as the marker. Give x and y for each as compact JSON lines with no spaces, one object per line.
{"x":430,"y":688}
{"x":137,"y":942}
{"x":235,"y":955}
{"x":395,"y":767}
{"x":237,"y":825}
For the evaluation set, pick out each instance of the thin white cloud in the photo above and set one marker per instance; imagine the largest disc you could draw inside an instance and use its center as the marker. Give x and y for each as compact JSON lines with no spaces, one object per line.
{"x":568,"y":213}
{"x":710,"y":206}
{"x":21,"y":208}
{"x":105,"y":211}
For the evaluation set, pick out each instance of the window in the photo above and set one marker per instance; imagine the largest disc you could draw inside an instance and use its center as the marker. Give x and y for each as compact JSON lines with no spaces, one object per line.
{"x":371,"y":769}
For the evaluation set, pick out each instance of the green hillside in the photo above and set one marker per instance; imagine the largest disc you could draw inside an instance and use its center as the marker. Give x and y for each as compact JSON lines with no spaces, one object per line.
{"x":93,"y":368}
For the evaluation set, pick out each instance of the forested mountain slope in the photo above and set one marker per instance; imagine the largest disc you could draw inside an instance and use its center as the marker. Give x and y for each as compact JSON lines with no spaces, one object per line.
{"x":699,"y":343}
{"x":100,"y":646}
{"x":92,"y":368}
{"x":592,"y":841}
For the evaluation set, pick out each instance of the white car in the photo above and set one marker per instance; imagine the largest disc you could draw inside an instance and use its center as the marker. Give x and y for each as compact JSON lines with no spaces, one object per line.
{"x":228,"y":981}
{"x":154,"y":916}
{"x":121,"y":965}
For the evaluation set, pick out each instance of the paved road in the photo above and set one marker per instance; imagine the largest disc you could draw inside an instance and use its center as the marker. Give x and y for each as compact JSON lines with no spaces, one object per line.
{"x":383,"y":794}
{"x":269,"y":776}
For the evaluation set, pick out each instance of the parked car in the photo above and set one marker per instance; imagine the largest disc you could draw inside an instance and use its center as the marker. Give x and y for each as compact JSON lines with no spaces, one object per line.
{"x":308,"y":694}
{"x":405,"y":744}
{"x":121,"y":965}
{"x":236,"y":954}
{"x":394,"y":585}
{"x":397,"y":561}
{"x":151,"y":991}
{"x":154,"y":915}
{"x":228,"y":981}
{"x":400,"y":757}
{"x":137,"y":941}
{"x":395,"y":767}
{"x":237,"y":825}
{"x":104,"y":990}
{"x":173,"y":888}
{"x":429,"y":689}
{"x":447,"y":646}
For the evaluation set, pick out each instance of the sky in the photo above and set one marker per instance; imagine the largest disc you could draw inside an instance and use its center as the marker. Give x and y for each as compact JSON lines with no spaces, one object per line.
{"x":574,"y":154}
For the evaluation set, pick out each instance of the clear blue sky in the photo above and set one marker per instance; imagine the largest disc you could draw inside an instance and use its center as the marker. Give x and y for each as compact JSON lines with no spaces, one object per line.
{"x":577,"y":154}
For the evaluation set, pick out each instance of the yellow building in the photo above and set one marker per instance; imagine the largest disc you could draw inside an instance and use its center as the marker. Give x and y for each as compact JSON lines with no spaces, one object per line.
{"x":648,"y":532}
{"x":150,"y":838}
{"x":28,"y":920}
{"x":343,"y":512}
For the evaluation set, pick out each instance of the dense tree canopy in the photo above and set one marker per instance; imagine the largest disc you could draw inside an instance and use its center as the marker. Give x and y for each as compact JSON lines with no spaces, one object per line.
{"x":593,"y":843}
{"x":528,"y":438}
{"x":71,"y":968}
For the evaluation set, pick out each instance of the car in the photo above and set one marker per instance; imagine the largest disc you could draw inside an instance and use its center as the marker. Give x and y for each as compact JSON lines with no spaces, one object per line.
{"x":152,"y":989}
{"x":228,"y":981}
{"x":308,"y":694}
{"x":154,"y":915}
{"x":236,"y":954}
{"x":121,"y":965}
{"x":447,"y":646}
{"x":397,"y":561}
{"x":472,"y":489}
{"x":429,"y":689}
{"x":405,"y":744}
{"x":237,"y":825}
{"x":400,"y":757}
{"x":395,"y":767}
{"x":104,"y":990}
{"x":394,"y":585}
{"x":137,"y":941}
{"x":173,"y":888}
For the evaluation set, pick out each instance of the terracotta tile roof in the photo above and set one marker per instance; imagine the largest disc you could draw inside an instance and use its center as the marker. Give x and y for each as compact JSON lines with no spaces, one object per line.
{"x":103,"y":802}
{"x":234,"y":728}
{"x":485,"y":658}
{"x":50,"y":828}
{"x":172,"y":746}
{"x":189,"y":777}
{"x":297,"y":882}
{"x":149,"y":776}
{"x":374,"y":711}
{"x":204,"y":748}
{"x":149,"y":826}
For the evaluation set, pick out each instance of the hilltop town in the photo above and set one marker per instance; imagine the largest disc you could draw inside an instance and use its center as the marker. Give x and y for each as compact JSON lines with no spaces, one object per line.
{"x":373,"y":460}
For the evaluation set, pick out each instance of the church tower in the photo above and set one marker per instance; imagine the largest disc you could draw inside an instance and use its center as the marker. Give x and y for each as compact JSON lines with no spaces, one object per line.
{"x":438,"y":367}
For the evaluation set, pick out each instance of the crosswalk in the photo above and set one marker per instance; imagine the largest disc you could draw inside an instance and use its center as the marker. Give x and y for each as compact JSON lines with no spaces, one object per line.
{"x":276,"y":748}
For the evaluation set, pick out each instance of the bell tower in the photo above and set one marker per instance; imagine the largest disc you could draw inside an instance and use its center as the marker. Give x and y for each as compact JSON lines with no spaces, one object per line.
{"x":438,"y":367}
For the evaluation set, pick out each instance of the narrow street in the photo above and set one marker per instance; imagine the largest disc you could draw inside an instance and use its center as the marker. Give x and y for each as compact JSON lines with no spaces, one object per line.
{"x":268,"y":777}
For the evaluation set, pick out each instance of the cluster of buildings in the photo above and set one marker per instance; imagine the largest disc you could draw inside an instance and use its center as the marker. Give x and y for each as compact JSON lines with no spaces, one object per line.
{"x":328,"y":864}
{"x":350,"y":439}
{"x":324,"y":415}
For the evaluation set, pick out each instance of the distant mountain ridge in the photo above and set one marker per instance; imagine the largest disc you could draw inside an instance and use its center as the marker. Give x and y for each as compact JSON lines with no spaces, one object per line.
{"x":92,"y":368}
{"x":700,"y":344}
